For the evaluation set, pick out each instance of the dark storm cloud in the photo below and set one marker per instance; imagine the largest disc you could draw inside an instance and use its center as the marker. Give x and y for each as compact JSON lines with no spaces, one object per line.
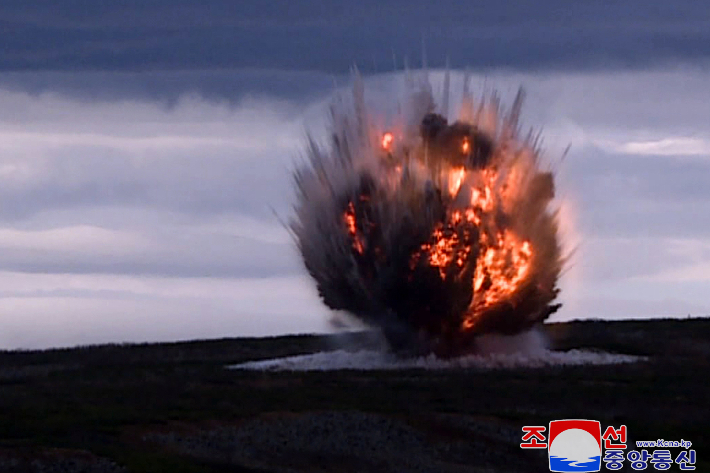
{"x":331,"y":36}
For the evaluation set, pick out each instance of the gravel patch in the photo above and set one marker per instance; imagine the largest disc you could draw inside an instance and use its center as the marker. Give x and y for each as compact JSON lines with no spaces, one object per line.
{"x":330,"y":441}
{"x":55,"y":461}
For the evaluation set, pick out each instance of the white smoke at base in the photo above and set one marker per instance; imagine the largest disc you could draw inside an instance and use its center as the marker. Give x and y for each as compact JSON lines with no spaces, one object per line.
{"x":525,"y":350}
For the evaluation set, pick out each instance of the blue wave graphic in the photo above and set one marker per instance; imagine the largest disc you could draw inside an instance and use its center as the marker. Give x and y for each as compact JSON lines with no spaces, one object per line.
{"x":565,"y":464}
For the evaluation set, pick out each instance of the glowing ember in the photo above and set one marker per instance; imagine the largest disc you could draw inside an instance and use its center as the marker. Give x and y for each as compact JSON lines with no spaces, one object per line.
{"x":387,"y":140}
{"x":447,"y":237}
{"x":350,"y":222}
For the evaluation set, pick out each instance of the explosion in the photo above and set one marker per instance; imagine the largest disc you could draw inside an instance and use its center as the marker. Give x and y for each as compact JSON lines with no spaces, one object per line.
{"x":435,"y":232}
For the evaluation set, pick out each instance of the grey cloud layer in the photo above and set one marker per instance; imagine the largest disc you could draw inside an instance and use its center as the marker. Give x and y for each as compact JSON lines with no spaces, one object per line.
{"x":145,"y":143}
{"x":120,"y":206}
{"x":197,"y":158}
{"x":640,"y":196}
{"x":66,"y":161}
{"x":167,"y":87}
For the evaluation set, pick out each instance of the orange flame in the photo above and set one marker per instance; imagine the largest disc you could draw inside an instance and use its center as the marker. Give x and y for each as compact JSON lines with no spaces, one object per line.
{"x":504,"y":259}
{"x":455,"y":180}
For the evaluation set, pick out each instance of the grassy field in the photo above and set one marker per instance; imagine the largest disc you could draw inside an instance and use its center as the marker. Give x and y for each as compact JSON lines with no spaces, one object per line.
{"x":175,"y":408}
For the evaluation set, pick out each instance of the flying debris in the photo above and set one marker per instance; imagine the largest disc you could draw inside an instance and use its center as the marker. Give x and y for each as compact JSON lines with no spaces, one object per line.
{"x":435,"y":232}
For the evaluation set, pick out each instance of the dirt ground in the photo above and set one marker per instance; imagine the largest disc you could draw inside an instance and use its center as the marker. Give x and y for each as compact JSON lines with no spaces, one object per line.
{"x":175,"y":408}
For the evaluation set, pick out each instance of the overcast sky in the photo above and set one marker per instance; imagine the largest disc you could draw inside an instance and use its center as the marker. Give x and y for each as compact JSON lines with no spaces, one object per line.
{"x":145,"y":150}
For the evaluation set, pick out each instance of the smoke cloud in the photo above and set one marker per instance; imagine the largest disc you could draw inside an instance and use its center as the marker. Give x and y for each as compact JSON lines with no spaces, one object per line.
{"x":433,"y":232}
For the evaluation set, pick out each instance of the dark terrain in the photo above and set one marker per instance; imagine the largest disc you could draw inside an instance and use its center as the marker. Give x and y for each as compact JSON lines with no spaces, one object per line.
{"x":175,"y":408}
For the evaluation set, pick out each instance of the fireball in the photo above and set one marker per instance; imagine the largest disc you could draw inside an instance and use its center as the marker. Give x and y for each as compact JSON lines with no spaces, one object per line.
{"x":437,"y":231}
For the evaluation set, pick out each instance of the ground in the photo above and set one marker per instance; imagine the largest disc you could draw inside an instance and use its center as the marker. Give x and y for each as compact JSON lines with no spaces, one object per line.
{"x":175,"y":408}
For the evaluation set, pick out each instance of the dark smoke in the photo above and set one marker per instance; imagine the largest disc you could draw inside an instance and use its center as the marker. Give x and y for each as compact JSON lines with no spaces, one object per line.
{"x":433,"y":231}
